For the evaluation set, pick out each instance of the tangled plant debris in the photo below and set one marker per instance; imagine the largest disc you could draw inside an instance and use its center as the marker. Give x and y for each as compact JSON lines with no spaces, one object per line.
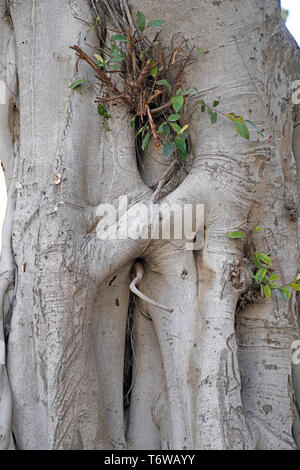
{"x":150,"y":82}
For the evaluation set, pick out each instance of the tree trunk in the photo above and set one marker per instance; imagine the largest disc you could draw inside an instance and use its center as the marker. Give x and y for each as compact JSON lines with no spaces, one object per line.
{"x":209,"y":375}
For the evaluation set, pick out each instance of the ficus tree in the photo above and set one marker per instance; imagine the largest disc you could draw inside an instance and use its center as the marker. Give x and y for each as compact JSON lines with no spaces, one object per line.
{"x":137,"y":343}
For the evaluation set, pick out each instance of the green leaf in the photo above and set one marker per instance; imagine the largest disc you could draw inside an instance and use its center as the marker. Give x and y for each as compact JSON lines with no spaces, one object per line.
{"x":145,"y":141}
{"x":180,"y":143}
{"x":142,"y":129}
{"x":262,"y":290}
{"x":117,"y":58}
{"x":274,"y":277}
{"x":257,"y":229}
{"x":153,"y":72}
{"x":287,"y":292}
{"x":203,"y":106}
{"x":267,"y":290}
{"x":120,"y":37}
{"x":115,"y":67}
{"x":260,"y":274}
{"x":264,"y":258}
{"x":242,"y":130}
{"x":233,"y":235}
{"x":200,"y":50}
{"x":164,"y":129}
{"x":213,"y":118}
{"x":255,"y":127}
{"x":181,"y":147}
{"x":117,"y":55}
{"x":99,"y":58}
{"x":169,"y":148}
{"x":98,"y":63}
{"x":175,"y":127}
{"x":183,"y":129}
{"x":174,"y":117}
{"x":155,"y":23}
{"x":177,"y":102}
{"x":283,"y":294}
{"x":298,"y":277}
{"x":215,"y":103}
{"x":295,"y":286}
{"x":256,"y":259}
{"x":132,"y":121}
{"x":141,"y":20}
{"x":103,"y":111}
{"x":231,"y":116}
{"x":78,"y":82}
{"x":179,"y":92}
{"x":165,"y":83}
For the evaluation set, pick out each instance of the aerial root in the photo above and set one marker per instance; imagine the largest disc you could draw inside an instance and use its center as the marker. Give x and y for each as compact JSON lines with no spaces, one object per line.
{"x":138,"y":271}
{"x":162,"y":181}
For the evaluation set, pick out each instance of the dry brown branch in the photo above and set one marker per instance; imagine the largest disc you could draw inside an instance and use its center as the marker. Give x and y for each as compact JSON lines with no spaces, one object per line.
{"x":143,"y":74}
{"x":102,"y":75}
{"x":153,"y":129}
{"x":158,"y":92}
{"x":160,"y":109}
{"x":111,"y":98}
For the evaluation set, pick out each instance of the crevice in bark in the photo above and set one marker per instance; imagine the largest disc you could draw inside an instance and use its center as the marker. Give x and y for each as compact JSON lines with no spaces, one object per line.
{"x":128,"y":380}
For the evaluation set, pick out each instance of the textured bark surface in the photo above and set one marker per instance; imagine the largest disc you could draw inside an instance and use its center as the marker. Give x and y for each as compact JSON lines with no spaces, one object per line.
{"x":203,"y":376}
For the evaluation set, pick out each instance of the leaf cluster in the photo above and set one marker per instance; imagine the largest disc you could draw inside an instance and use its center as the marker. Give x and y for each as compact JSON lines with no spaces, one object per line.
{"x":262,"y":274}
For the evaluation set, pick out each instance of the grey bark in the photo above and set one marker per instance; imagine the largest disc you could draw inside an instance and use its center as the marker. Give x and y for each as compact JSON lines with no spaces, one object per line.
{"x":204,"y":376}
